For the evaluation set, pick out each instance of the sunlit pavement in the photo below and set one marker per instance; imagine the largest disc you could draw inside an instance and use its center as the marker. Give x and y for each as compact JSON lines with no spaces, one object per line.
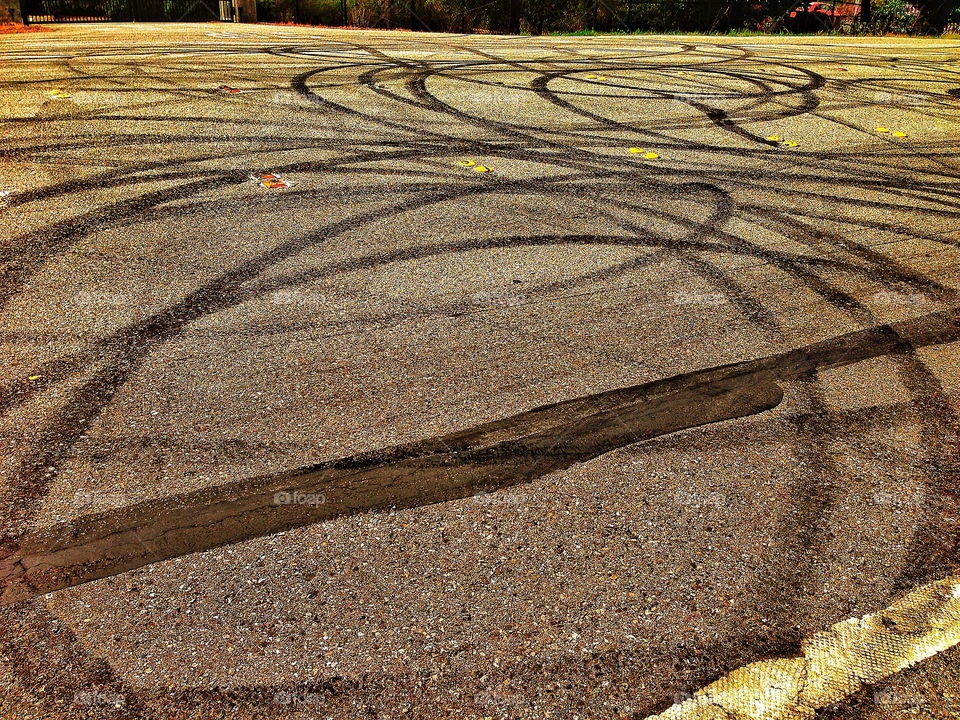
{"x":229,"y":251}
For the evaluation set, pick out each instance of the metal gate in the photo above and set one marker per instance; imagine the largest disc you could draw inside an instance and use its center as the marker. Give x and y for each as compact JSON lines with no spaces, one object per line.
{"x":35,"y":11}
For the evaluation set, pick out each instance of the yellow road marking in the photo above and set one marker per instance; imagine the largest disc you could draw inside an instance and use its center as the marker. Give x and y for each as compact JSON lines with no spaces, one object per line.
{"x":835,"y":663}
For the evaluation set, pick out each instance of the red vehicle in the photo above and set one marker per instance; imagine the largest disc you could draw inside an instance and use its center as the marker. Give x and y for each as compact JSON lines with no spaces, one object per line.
{"x":815,"y":15}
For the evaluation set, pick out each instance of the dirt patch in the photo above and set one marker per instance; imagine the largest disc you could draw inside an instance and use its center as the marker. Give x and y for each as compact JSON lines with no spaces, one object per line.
{"x":9,"y":28}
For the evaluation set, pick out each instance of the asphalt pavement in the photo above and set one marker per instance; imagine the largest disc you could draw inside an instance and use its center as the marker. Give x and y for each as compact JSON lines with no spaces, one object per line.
{"x":230,"y":253}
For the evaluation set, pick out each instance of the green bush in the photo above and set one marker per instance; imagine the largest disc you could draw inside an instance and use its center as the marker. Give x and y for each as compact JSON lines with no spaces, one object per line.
{"x":891,"y":16}
{"x":587,"y":16}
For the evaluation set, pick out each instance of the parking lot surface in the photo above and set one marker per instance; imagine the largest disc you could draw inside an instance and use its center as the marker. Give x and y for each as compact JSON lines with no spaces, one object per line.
{"x":229,"y":252}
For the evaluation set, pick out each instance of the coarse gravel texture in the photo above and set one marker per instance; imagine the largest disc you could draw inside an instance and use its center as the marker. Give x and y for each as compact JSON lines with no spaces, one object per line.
{"x":166,"y":325}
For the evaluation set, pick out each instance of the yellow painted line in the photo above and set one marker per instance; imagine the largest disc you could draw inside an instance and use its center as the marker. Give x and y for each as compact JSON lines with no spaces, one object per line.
{"x":835,"y":663}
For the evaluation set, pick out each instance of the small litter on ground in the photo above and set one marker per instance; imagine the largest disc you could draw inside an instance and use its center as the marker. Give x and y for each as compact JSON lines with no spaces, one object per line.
{"x":271,"y":181}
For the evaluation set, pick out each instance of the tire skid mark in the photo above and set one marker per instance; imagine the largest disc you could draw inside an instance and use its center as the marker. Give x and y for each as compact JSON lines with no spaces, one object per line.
{"x":931,"y":545}
{"x":838,"y":297}
{"x":478,"y":459}
{"x":935,"y":545}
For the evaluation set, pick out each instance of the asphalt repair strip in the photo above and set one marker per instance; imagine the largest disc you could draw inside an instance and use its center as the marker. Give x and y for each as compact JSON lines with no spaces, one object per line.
{"x":488,"y":457}
{"x":836,"y":663}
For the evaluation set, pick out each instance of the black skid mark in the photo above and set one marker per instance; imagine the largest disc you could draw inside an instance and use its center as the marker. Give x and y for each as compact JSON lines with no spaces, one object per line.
{"x":479,"y":459}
